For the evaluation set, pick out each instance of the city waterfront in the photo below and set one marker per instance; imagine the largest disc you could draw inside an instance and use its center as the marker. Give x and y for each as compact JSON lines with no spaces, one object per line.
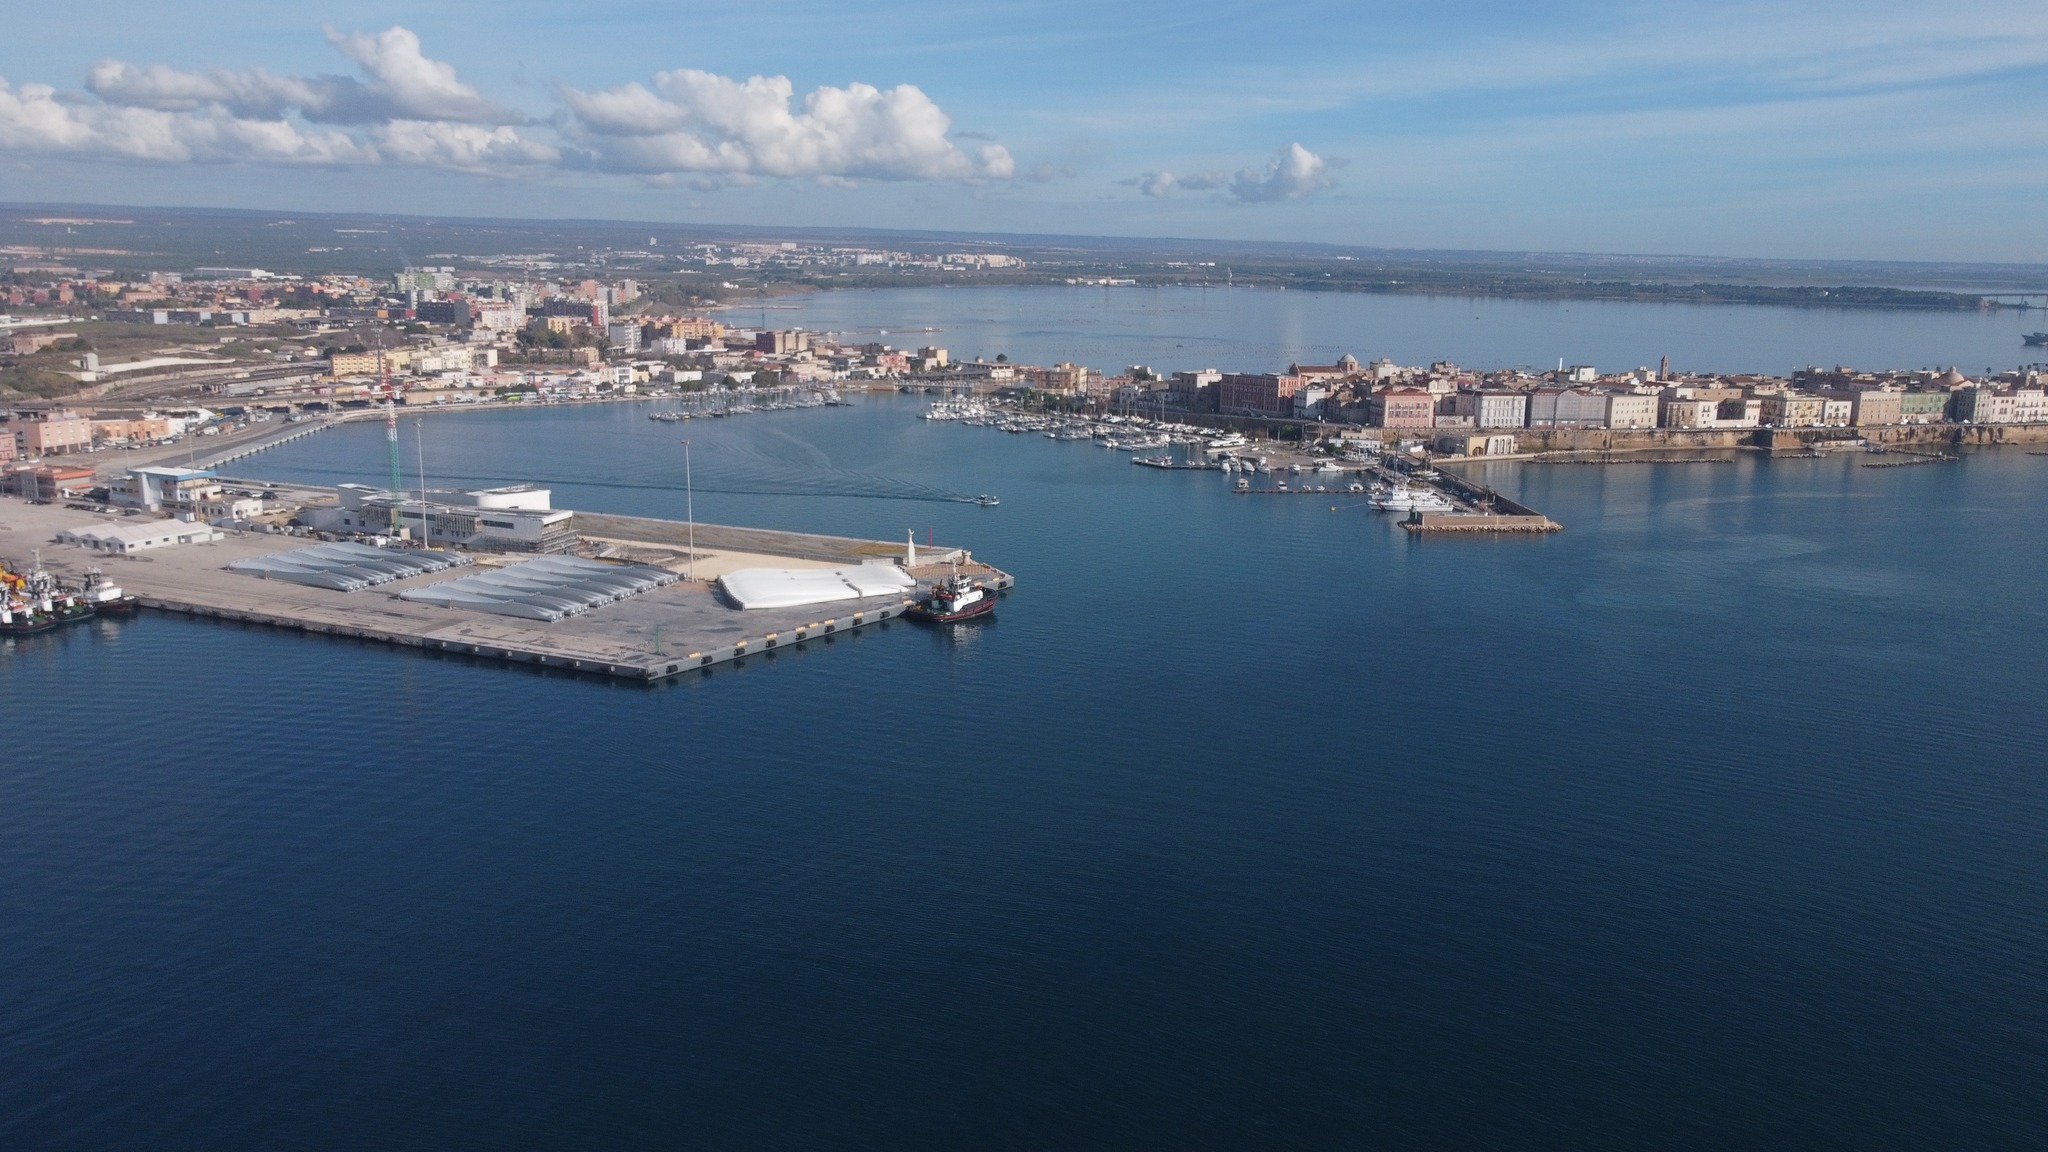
{"x":1262,"y":330}
{"x":1713,"y":820}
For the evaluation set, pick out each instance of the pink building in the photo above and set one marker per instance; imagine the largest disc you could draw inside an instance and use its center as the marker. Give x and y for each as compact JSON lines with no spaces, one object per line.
{"x":1402,"y":408}
{"x":58,"y":432}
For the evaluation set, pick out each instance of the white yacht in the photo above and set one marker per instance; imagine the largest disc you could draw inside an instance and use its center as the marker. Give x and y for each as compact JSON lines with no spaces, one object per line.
{"x":1406,"y":498}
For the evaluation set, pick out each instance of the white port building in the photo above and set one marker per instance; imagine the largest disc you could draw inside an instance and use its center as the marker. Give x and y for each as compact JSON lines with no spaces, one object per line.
{"x":511,"y":519}
{"x":126,"y":539}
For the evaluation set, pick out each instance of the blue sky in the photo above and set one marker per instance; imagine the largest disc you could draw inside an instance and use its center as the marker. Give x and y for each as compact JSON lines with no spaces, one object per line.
{"x":1827,"y":129}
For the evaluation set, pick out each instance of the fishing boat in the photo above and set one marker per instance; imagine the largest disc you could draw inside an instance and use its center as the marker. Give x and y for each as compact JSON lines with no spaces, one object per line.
{"x":954,"y":599}
{"x":2035,"y":339}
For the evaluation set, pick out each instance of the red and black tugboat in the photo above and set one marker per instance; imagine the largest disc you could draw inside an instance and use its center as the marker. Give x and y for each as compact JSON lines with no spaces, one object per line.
{"x":954,"y":599}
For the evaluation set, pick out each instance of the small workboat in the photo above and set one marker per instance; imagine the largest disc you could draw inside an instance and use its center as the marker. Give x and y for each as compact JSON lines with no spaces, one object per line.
{"x":954,"y":599}
{"x":986,"y":500}
{"x":106,"y":597}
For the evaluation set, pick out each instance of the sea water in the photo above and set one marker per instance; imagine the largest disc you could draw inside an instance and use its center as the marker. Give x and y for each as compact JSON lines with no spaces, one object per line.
{"x":1715,"y":820}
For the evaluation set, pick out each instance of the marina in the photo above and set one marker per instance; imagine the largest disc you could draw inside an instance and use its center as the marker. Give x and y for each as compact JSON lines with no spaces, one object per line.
{"x":1401,"y":482}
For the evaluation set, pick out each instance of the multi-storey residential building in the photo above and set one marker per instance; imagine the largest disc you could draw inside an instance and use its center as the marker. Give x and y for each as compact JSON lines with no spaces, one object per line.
{"x":592,"y":312}
{"x":1188,"y":387}
{"x":1308,"y":401}
{"x":1738,"y":412}
{"x":1631,"y":410}
{"x":1256,"y":394}
{"x":785,"y":342}
{"x":1791,"y":410}
{"x":451,"y":310}
{"x":365,"y":363}
{"x":1062,"y":377}
{"x":57,"y":432}
{"x":2029,"y":406}
{"x":1402,"y":408}
{"x":1687,"y":412}
{"x":1870,"y":407}
{"x":1492,"y":408}
{"x":1923,"y":407}
{"x":129,"y":430}
{"x":690,"y":328}
{"x":1979,"y":404}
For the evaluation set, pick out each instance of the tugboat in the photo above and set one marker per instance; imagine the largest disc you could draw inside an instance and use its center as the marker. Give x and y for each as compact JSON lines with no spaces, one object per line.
{"x":953,"y":599}
{"x":19,"y":614}
{"x":106,"y":597}
{"x":33,"y":602}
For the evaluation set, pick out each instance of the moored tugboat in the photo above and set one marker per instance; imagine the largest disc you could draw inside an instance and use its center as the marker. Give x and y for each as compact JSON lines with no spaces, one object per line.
{"x":954,"y":599}
{"x":20,"y":617}
{"x":33,"y":602}
{"x":105,"y":597}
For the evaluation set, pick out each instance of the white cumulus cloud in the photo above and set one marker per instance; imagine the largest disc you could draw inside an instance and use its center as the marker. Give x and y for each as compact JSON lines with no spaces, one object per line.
{"x":402,"y":107}
{"x":34,"y":119}
{"x":1160,"y":185}
{"x":1294,"y":173}
{"x":694,"y":121}
{"x":408,"y":85}
{"x":399,"y":82}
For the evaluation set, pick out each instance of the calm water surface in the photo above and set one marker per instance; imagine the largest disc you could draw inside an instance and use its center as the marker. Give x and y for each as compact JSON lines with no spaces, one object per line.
{"x":1261,"y":330}
{"x":1715,"y":821}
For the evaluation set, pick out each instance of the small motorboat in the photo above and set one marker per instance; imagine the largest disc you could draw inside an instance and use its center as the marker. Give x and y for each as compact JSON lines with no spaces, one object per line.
{"x":954,"y":599}
{"x":986,"y":500}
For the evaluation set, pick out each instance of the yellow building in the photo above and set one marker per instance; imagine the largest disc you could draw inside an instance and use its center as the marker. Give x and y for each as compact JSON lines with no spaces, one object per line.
{"x":365,"y":363}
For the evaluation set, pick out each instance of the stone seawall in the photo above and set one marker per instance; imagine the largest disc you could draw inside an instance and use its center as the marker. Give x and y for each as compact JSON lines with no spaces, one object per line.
{"x":1905,"y":435}
{"x":1536,"y":440}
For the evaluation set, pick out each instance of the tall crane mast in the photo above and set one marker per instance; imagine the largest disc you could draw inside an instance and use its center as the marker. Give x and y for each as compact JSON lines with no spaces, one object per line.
{"x":391,"y":442}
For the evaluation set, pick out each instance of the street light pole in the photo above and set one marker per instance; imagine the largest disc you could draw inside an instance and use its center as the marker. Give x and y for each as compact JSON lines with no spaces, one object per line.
{"x":690,"y":511}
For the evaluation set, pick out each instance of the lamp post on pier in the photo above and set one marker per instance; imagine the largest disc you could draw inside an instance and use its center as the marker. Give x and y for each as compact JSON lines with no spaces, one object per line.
{"x":690,"y":512}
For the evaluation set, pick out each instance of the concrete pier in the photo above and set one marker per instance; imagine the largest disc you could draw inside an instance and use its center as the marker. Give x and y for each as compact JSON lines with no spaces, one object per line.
{"x":649,"y":637}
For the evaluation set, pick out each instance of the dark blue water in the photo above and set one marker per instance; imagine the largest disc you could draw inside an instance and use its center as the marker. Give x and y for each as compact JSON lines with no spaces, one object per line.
{"x":1259,"y":330}
{"x":1715,"y":821}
